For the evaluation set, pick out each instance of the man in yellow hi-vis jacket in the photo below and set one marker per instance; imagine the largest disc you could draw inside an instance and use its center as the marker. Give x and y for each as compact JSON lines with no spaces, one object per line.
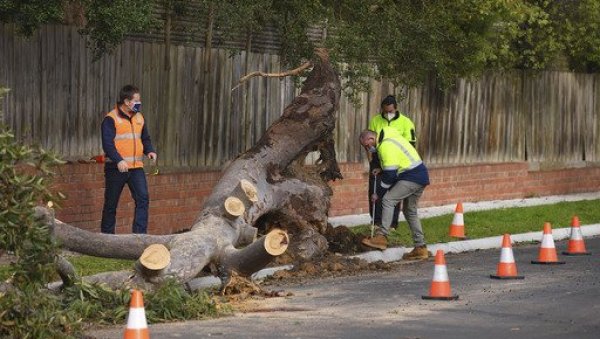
{"x":388,"y":117}
{"x":403,"y":178}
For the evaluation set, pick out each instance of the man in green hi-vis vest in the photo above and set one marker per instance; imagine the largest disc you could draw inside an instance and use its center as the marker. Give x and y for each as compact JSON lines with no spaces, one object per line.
{"x":388,"y":117}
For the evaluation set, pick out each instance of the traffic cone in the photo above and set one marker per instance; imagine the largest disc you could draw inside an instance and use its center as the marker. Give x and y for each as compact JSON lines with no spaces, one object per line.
{"x":457,"y":229}
{"x":440,"y":285}
{"x":137,"y":328}
{"x":576,"y":246}
{"x":547,"y":254}
{"x":507,"y":268}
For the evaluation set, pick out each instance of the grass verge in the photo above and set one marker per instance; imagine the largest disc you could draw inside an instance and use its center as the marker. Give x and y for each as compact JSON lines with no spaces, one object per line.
{"x":489,"y":223}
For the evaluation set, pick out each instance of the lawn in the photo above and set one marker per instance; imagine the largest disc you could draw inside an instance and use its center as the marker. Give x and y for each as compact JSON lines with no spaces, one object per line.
{"x":489,"y":223}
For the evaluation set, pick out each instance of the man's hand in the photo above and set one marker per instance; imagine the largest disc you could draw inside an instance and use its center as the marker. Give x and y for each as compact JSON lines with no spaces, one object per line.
{"x":122,"y":166}
{"x":152,"y":156}
{"x":374,"y":197}
{"x":376,"y":171}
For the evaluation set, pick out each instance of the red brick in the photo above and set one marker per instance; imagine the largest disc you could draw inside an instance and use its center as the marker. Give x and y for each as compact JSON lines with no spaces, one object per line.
{"x":177,"y":198}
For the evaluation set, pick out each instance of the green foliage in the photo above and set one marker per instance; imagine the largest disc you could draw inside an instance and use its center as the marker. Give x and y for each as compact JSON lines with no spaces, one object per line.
{"x":30,"y":313}
{"x":171,"y":302}
{"x":25,"y":174}
{"x":235,"y":20}
{"x":404,"y":41}
{"x":293,"y":19}
{"x":29,"y":15}
{"x":96,"y":303}
{"x":109,"y":21}
{"x":27,"y":311}
{"x":579,"y":25}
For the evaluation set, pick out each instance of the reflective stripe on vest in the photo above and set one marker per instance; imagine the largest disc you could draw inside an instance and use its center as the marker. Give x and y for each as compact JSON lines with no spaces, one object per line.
{"x":414,"y":162}
{"x":128,"y":138}
{"x":128,"y":159}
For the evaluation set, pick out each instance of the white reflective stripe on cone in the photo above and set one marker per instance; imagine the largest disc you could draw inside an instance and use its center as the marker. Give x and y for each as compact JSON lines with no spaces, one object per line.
{"x":576,"y":233}
{"x":506,"y":255}
{"x":547,"y":241}
{"x":440,"y":273}
{"x":458,"y":219}
{"x":136,"y":319}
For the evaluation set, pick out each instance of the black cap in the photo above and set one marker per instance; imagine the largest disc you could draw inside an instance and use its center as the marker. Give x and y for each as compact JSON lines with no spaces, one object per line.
{"x":389,"y":100}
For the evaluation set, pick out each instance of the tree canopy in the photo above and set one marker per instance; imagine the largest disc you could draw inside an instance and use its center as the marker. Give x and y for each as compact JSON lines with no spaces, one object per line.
{"x":406,"y":41}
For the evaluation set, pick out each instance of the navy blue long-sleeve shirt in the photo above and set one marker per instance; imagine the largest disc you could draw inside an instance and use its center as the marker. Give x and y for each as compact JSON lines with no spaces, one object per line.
{"x":108,"y":140}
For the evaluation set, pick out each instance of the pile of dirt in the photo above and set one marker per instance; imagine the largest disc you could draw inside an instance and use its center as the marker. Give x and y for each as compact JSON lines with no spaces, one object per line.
{"x":342,"y":240}
{"x":342,"y":243}
{"x":238,"y":288}
{"x":331,"y":265}
{"x":335,"y":263}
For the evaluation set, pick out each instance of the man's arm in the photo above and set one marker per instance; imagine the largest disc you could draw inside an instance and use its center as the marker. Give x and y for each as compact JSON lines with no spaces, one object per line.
{"x":108,"y":140}
{"x":388,"y":179}
{"x":374,"y":161}
{"x":146,"y":140}
{"x":411,"y":134}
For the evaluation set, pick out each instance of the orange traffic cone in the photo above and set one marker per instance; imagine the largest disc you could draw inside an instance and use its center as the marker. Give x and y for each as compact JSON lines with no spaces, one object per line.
{"x":137,"y":328}
{"x":547,"y":254}
{"x":507,"y":268}
{"x":440,"y":285}
{"x":457,"y":229}
{"x":576,"y":246}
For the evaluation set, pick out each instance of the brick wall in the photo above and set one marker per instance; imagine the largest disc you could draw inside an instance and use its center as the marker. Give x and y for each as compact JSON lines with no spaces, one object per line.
{"x":176,"y":199}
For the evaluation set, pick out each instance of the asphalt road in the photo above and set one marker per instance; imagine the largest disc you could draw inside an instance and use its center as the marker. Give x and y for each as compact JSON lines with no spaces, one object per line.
{"x":561,"y":301}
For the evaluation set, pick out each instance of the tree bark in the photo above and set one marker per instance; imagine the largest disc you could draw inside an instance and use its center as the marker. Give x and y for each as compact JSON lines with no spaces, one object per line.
{"x":289,"y":196}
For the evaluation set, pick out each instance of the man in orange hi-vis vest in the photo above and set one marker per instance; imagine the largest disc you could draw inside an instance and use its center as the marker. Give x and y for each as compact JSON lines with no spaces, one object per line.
{"x":125,"y":141}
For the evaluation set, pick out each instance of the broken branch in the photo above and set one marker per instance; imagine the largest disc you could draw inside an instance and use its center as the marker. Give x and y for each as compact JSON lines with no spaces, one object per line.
{"x":292,"y":72}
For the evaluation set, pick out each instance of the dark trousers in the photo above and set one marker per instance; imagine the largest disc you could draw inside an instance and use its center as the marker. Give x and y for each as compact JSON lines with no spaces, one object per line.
{"x":378,"y":206}
{"x":114,"y":183}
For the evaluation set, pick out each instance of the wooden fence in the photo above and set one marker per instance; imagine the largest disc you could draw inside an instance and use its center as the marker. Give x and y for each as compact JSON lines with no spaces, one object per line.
{"x":59,"y":96}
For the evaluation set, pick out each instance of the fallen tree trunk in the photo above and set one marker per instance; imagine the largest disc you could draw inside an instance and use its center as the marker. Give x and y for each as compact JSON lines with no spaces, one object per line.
{"x":272,"y":190}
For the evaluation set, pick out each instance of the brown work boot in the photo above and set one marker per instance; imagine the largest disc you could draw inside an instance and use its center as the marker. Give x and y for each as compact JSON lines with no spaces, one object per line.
{"x":418,"y":253}
{"x":378,"y":242}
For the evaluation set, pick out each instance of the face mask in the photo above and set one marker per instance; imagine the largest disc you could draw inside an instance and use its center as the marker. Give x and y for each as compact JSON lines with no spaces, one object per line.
{"x":137,"y":106}
{"x":390,"y":116}
{"x":372,"y":149}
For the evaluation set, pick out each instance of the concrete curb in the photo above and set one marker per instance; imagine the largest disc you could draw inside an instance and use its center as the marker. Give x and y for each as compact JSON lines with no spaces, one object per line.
{"x":395,"y":253}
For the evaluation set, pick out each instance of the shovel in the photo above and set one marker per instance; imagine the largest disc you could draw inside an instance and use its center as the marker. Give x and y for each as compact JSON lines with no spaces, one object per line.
{"x":374,"y":203}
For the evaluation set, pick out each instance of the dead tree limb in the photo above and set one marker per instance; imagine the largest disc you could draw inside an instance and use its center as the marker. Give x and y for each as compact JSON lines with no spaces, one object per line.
{"x":293,"y":72}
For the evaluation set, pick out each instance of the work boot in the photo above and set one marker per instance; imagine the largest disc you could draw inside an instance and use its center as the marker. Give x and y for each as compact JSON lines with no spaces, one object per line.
{"x":418,"y":253}
{"x":378,"y":242}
